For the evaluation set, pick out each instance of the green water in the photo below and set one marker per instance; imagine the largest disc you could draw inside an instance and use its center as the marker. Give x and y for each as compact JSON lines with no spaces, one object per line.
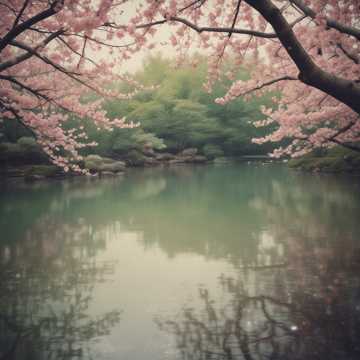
{"x":218,"y":262}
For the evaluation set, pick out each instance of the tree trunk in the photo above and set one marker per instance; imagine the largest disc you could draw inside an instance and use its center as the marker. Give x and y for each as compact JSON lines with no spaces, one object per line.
{"x":346,"y":91}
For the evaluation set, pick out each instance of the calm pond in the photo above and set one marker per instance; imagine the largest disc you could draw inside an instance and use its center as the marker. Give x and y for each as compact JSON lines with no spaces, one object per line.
{"x":215,"y":262}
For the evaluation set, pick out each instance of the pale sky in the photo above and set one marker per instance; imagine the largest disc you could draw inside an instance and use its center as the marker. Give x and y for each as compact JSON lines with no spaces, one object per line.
{"x":160,"y":38}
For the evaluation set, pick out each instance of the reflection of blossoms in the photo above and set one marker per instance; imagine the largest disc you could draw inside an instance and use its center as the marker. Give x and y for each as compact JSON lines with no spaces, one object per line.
{"x":46,"y":290}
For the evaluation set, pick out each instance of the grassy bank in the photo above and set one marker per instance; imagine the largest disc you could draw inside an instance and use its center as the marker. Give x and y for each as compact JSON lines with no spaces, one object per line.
{"x":335,"y":160}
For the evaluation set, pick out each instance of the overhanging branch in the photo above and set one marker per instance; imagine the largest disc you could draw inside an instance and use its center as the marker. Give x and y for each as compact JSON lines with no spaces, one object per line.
{"x":269,"y":83}
{"x":199,"y":29}
{"x":331,"y":23}
{"x":20,"y":28}
{"x":29,"y":51}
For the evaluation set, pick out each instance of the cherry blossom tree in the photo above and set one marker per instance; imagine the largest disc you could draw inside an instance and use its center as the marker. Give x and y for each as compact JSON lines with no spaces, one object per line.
{"x":307,"y":49}
{"x":52,"y":52}
{"x":45,"y":72}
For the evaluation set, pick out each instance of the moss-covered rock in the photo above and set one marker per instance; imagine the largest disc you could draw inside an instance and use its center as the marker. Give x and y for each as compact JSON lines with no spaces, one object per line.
{"x":197,"y":159}
{"x":115,"y":166}
{"x":189,"y":152}
{"x":223,"y":160}
{"x":93,"y":163}
{"x":98,"y":164}
{"x":94,"y":158}
{"x":165,"y":156}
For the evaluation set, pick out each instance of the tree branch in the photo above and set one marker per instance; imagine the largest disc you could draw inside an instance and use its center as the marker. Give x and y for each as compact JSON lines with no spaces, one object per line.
{"x":21,"y":85}
{"x":348,"y":54}
{"x":34,"y":52}
{"x":207,"y":29}
{"x":344,"y":90}
{"x":223,"y":30}
{"x":29,"y":51}
{"x":346,"y":145}
{"x":268,"y":83}
{"x":72,"y":75}
{"x":341,"y":131}
{"x":333,"y":137}
{"x":235,"y":17}
{"x":17,"y":30}
{"x":345,"y":29}
{"x":18,"y":17}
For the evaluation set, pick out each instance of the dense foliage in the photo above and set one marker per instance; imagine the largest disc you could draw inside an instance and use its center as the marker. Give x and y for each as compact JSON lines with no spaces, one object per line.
{"x":178,"y":114}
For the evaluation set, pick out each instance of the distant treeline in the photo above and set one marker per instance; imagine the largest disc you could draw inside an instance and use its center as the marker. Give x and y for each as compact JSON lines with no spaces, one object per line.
{"x":176,"y":114}
{"x":180,"y":114}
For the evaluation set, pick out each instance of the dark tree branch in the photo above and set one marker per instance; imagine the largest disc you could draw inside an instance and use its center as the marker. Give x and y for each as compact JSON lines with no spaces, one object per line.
{"x":45,"y":59}
{"x":82,"y":55}
{"x":268,"y":83}
{"x":196,"y":2}
{"x":20,"y":28}
{"x":346,"y":91}
{"x":202,"y":29}
{"x":223,"y":30}
{"x":18,"y":17}
{"x":29,"y":51}
{"x":346,"y":145}
{"x":76,"y":52}
{"x":36,"y":92}
{"x":342,"y":131}
{"x":235,"y":17}
{"x":72,"y":75}
{"x":333,"y":137}
{"x":349,"y":55}
{"x":345,"y":29}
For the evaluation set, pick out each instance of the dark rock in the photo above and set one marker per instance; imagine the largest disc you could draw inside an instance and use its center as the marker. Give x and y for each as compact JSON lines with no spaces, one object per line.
{"x":189,"y":152}
{"x":151,"y":162}
{"x":199,"y":159}
{"x":177,"y":161}
{"x":165,"y":157}
{"x":149,"y":152}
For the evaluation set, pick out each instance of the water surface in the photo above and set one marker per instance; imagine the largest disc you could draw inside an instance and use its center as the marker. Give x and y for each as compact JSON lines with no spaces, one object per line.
{"x":218,"y":262}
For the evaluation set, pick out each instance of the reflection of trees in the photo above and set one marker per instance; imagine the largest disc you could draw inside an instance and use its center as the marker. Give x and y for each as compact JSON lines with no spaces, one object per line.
{"x":319,"y":208}
{"x":46,"y":284}
{"x":305,"y":311}
{"x":181,"y":209}
{"x":254,"y":218}
{"x":243,"y":328}
{"x":220,"y":212}
{"x":234,"y":212}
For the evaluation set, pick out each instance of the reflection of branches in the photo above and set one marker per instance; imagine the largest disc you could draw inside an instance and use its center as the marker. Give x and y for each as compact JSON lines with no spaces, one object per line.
{"x":45,"y":292}
{"x":253,"y":327}
{"x":229,"y":332}
{"x":58,"y":336}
